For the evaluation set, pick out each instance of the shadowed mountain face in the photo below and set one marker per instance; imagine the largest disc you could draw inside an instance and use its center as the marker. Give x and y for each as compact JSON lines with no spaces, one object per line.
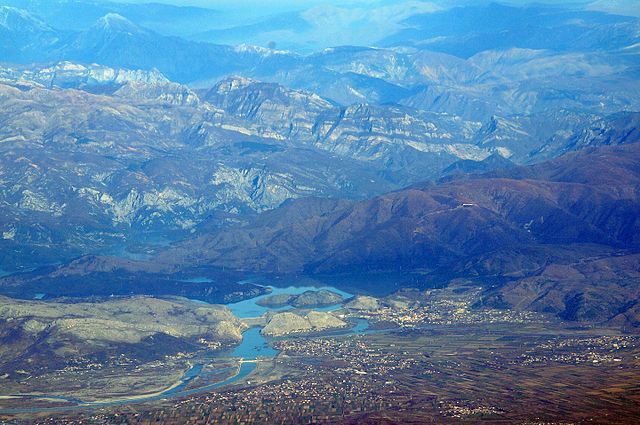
{"x":123,"y":133}
{"x":95,"y":157}
{"x":586,"y":197}
{"x":578,"y":213}
{"x":492,"y":162}
{"x":593,"y":289}
{"x":536,"y":237}
{"x":98,"y":155}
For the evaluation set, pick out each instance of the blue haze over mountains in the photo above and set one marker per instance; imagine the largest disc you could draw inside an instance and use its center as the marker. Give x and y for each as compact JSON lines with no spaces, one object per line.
{"x":309,"y":133}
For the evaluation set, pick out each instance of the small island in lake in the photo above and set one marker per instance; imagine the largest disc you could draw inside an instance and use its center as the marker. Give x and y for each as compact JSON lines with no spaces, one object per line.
{"x":307,"y":299}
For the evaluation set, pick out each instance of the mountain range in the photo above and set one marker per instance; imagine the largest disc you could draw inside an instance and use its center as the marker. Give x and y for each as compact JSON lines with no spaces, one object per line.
{"x":561,"y":237}
{"x":124,"y":135}
{"x":588,"y":197}
{"x":440,"y":149}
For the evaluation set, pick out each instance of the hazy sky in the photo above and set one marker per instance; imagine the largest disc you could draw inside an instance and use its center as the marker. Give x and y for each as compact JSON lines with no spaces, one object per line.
{"x":275,"y":5}
{"x":266,"y":7}
{"x":263,"y":5}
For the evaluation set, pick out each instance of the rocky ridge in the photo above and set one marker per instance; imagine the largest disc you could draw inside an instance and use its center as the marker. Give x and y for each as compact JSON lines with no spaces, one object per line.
{"x":281,"y":324}
{"x":64,"y":332}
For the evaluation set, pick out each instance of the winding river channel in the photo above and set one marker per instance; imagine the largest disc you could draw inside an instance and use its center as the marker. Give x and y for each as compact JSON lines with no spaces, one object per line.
{"x":253,"y":347}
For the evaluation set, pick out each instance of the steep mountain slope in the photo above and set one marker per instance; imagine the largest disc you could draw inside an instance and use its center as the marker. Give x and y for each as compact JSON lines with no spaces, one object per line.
{"x":598,"y":289}
{"x":273,"y":108}
{"x":511,"y":224}
{"x":589,"y":197}
{"x":361,"y":131}
{"x":23,"y":36}
{"x":82,"y":171}
{"x":94,"y":156}
{"x":467,"y":166}
{"x":114,"y":40}
{"x":559,"y":237}
{"x":77,"y":15}
{"x":620,"y":128}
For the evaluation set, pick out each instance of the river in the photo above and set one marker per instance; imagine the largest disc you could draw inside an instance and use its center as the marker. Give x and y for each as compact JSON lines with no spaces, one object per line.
{"x":252,"y":347}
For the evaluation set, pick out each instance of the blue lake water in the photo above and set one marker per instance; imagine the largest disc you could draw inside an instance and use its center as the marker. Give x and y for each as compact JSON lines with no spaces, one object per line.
{"x":249,"y":308}
{"x":252,"y":347}
{"x":255,"y":345}
{"x":361,"y":326}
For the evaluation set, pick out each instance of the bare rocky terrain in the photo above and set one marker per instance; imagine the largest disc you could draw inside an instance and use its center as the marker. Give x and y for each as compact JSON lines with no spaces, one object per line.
{"x":140,"y":328}
{"x":286,"y":323}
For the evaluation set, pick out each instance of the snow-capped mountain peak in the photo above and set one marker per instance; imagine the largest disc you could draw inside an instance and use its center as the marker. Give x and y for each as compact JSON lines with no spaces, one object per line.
{"x":114,"y":22}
